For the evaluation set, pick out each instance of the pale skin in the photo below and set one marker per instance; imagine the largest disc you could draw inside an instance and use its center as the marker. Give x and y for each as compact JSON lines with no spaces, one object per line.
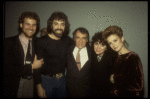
{"x":116,"y":43}
{"x":80,"y":39}
{"x":99,"y":48}
{"x":56,"y":25}
{"x":29,"y":28}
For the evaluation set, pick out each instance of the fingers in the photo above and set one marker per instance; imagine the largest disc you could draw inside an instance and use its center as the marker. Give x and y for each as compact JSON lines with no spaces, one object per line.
{"x":35,"y":58}
{"x":44,"y":94}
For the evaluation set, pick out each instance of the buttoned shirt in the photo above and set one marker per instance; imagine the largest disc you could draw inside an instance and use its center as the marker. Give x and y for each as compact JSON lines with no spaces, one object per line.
{"x":24,"y":43}
{"x":83,"y":55}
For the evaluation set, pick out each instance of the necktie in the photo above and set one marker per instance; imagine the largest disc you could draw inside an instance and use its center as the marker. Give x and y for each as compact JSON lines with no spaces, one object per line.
{"x":78,"y":60}
{"x":98,"y":58}
{"x":28,"y":55}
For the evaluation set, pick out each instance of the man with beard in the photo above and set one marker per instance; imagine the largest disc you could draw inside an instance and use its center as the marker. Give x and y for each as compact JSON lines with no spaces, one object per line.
{"x":50,"y":79}
{"x":19,"y":61}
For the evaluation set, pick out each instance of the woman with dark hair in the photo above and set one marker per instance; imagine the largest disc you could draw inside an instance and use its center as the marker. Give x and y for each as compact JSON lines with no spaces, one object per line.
{"x":127,"y":75}
{"x":102,"y":61}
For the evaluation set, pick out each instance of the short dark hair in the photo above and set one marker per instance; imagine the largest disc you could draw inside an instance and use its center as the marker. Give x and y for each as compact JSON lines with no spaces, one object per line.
{"x":31,"y":15}
{"x":58,"y":16}
{"x":98,"y":37}
{"x":83,"y":31}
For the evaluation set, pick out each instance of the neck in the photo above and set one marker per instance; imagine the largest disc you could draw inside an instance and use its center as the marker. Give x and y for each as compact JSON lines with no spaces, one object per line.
{"x":101,"y":55}
{"x":28,"y":38}
{"x":123,"y":50}
{"x":53,"y":36}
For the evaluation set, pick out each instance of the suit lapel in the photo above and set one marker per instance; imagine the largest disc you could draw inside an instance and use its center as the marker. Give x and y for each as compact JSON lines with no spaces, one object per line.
{"x":89,"y":55}
{"x":33,"y":52}
{"x":19,"y":50}
{"x":71,"y":57}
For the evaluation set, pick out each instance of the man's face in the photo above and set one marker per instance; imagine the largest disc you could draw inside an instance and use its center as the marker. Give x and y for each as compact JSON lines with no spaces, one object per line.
{"x":43,"y":32}
{"x":80,"y":39}
{"x":28,"y":27}
{"x":58,"y":28}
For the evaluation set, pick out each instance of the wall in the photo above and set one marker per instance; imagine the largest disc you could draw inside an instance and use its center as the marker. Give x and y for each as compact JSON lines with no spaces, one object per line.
{"x":131,"y":16}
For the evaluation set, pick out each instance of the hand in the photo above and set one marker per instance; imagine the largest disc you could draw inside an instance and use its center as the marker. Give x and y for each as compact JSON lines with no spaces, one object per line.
{"x":112,"y":78}
{"x":40,"y":91}
{"x":37,"y":63}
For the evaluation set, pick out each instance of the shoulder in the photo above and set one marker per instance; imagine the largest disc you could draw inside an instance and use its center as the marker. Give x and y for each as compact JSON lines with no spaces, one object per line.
{"x":132,"y":56}
{"x":42,"y":39}
{"x":68,"y":38}
{"x":10,"y":40}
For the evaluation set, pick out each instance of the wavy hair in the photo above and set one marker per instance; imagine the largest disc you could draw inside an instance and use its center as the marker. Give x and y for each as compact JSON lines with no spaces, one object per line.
{"x":31,"y":15}
{"x":98,"y":36}
{"x":58,"y":16}
{"x":110,"y":30}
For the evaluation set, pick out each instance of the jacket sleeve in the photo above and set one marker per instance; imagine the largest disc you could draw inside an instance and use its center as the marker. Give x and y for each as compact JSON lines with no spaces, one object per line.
{"x":39,"y":51}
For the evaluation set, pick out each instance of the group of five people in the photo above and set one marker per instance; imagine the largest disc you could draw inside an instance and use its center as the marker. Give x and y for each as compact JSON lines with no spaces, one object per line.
{"x":61,"y":67}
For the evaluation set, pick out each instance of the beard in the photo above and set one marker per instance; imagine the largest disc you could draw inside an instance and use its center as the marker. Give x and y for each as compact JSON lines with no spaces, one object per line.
{"x":59,"y":35}
{"x":28,"y":34}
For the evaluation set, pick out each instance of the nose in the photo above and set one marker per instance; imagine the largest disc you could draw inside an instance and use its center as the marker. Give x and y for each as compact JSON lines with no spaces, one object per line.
{"x":31,"y":27}
{"x":80,"y":40}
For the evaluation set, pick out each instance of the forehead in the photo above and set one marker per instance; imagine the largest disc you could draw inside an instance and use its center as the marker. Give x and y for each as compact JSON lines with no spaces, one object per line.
{"x":79,"y":34}
{"x":112,"y":37}
{"x":58,"y":21}
{"x":29,"y":20}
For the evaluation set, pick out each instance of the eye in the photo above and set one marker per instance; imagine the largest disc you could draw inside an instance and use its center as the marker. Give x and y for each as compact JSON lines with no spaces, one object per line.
{"x":115,"y":40}
{"x":96,"y":43}
{"x":63,"y":24}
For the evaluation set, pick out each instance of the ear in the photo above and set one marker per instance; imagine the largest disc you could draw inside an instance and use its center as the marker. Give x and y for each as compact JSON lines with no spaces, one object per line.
{"x":20,"y":25}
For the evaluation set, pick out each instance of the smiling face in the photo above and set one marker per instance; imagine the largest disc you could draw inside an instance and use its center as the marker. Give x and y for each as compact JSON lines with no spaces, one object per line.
{"x":80,"y":39}
{"x":58,"y":28}
{"x":115,"y":42}
{"x":99,"y":48}
{"x":28,"y":27}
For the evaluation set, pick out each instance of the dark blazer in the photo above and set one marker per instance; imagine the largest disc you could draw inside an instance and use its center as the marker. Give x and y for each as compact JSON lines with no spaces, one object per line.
{"x":13,"y":65}
{"x":77,"y":82}
{"x":100,"y":75}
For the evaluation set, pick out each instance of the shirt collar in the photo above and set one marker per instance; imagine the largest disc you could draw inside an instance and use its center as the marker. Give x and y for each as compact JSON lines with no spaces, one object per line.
{"x":23,"y":39}
{"x":76,"y":48}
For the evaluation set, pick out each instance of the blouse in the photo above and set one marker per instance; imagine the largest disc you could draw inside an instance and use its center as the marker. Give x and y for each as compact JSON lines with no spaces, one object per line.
{"x":128,"y":75}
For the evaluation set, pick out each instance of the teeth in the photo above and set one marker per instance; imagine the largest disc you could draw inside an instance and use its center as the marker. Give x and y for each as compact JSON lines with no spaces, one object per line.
{"x":29,"y":31}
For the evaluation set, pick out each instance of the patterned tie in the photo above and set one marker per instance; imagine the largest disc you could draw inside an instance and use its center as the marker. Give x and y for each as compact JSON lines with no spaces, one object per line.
{"x":78,"y":60}
{"x":98,"y":58}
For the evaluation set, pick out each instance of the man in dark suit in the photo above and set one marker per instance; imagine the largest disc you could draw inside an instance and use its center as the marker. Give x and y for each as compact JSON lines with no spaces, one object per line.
{"x":19,"y":61}
{"x":78,"y":65}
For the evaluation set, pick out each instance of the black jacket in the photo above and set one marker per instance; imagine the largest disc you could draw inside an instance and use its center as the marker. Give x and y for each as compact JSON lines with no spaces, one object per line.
{"x":77,"y":82}
{"x":13,"y":65}
{"x":100,"y":75}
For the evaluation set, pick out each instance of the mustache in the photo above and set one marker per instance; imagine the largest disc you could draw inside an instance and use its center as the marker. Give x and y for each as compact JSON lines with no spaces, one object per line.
{"x":59,"y":29}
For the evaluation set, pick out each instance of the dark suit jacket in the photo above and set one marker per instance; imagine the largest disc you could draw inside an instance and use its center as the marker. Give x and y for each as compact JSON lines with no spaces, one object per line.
{"x":13,"y":65}
{"x":77,"y":82}
{"x":100,"y":75}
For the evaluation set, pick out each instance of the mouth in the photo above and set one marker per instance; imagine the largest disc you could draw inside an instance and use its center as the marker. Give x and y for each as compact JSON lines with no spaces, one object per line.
{"x":98,"y":50}
{"x":30,"y":31}
{"x":115,"y":48}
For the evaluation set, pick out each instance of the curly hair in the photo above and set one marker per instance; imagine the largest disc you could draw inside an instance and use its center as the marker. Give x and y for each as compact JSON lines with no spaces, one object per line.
{"x":98,"y":37}
{"x":58,"y":16}
{"x":110,"y":30}
{"x":31,"y":15}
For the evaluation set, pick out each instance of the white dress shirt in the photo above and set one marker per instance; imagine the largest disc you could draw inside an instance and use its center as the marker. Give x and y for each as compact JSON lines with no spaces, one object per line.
{"x":83,"y":55}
